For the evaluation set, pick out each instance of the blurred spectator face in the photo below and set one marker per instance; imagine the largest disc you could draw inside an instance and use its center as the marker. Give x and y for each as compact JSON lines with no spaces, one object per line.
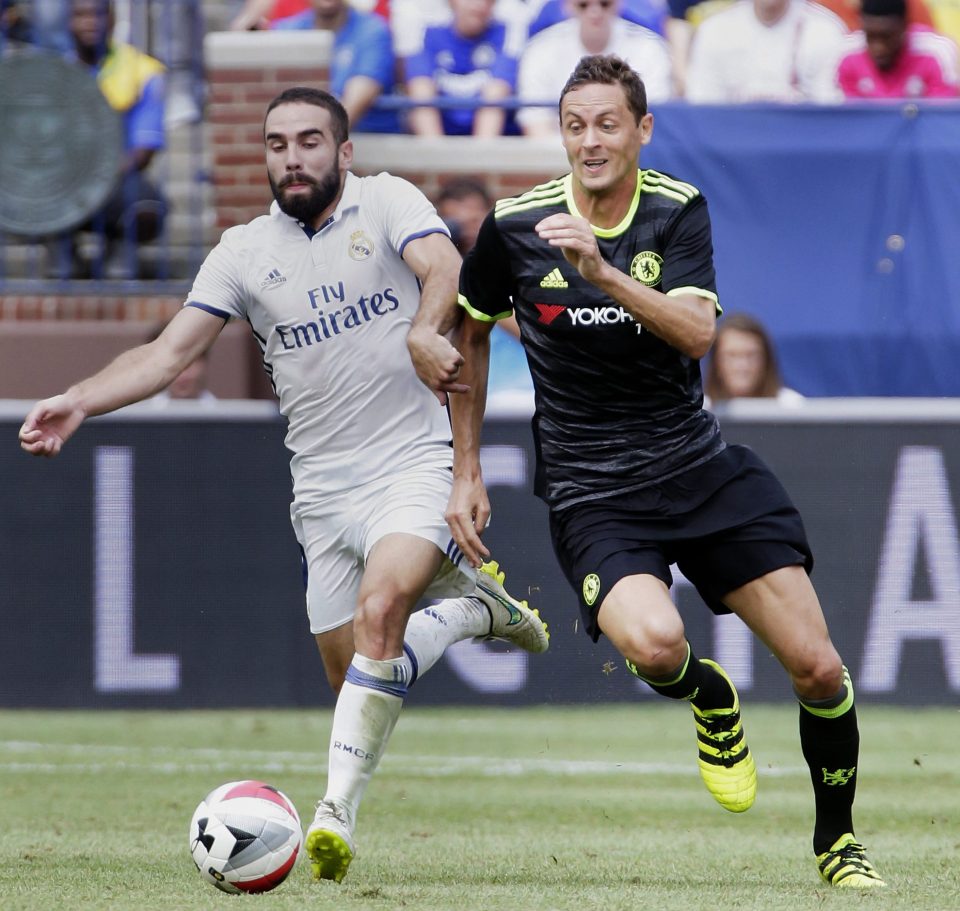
{"x":596,"y":17}
{"x":464,"y":217}
{"x":885,"y":36}
{"x":471,"y":17}
{"x":741,"y":362}
{"x":305,"y":163}
{"x":328,"y":8}
{"x":90,"y":23}
{"x":191,"y":383}
{"x":770,"y":11}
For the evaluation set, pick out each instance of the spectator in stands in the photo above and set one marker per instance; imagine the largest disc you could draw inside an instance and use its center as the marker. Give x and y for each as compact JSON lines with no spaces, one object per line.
{"x":744,"y":364}
{"x":596,"y":27}
{"x":133,"y":84}
{"x":362,"y":67}
{"x":463,"y":204}
{"x":257,"y":15}
{"x":650,"y":14}
{"x":472,"y":58}
{"x":14,"y":23}
{"x":261,"y":14}
{"x":683,"y":16}
{"x":766,"y":50}
{"x":889,"y":59}
{"x":918,"y":12}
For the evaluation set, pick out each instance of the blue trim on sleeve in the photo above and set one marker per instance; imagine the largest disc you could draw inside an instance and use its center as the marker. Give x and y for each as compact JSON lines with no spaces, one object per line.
{"x":420,"y":234}
{"x":213,"y":311}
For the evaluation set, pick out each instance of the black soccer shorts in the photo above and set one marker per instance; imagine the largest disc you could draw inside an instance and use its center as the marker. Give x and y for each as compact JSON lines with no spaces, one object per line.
{"x":723,"y":523}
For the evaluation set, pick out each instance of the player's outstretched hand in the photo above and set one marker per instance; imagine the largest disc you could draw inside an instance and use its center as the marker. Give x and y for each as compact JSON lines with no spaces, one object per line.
{"x":49,"y":425}
{"x":576,"y":238}
{"x":436,"y":361}
{"x":468,"y":513}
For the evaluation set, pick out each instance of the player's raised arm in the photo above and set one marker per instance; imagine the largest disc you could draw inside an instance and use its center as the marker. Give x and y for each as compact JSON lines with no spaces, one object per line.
{"x":133,"y":376}
{"x":436,"y":262}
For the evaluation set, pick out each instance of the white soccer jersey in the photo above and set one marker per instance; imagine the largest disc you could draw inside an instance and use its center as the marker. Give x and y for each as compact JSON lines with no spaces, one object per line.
{"x":331,"y":315}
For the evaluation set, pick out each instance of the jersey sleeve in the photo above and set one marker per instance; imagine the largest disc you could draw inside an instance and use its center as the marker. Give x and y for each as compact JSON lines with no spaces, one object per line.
{"x":688,"y":253}
{"x":219,"y":287}
{"x":486,"y":282}
{"x":407,"y":213}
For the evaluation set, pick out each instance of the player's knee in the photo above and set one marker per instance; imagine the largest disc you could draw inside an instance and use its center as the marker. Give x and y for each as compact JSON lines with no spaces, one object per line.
{"x":655,"y":649}
{"x":818,"y":676}
{"x":379,"y":618}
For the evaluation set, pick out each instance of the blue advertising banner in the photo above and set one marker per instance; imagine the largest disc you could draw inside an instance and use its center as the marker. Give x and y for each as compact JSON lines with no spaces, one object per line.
{"x":152,"y":564}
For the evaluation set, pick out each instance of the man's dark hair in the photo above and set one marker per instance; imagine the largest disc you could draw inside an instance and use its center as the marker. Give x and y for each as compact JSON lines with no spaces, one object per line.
{"x":303,"y":95}
{"x":462,"y":188}
{"x":896,"y":8}
{"x":608,"y":69}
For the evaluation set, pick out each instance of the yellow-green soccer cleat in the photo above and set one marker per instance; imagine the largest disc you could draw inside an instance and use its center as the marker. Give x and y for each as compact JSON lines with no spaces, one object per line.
{"x":726,"y":766}
{"x":329,"y":844}
{"x":510,"y":619}
{"x":846,"y":866}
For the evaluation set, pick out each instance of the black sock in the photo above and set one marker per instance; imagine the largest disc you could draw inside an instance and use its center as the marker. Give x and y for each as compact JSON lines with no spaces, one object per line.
{"x":830,"y":740}
{"x":691,"y":680}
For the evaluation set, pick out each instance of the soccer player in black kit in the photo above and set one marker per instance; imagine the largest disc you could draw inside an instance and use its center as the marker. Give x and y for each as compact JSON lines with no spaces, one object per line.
{"x":609,"y":271}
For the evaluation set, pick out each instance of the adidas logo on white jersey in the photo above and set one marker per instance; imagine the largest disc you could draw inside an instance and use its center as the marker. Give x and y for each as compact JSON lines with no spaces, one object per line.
{"x":273,"y":279}
{"x":554,"y":280}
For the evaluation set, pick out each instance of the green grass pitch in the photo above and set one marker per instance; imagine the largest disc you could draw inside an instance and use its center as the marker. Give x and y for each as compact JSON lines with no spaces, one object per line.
{"x":564,"y":808}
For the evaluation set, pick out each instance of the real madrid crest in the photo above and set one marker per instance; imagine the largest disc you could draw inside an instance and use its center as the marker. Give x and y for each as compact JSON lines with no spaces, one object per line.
{"x":361,"y":247}
{"x":645,"y":268}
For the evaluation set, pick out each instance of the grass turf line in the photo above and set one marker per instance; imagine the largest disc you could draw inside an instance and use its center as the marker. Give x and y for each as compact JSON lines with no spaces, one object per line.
{"x":548,"y":808}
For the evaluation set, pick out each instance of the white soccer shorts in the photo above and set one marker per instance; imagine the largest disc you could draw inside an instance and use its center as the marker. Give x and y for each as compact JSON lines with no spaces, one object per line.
{"x":338,"y":535}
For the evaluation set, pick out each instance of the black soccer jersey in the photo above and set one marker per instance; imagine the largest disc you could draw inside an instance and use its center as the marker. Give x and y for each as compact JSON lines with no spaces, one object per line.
{"x":617,"y":408}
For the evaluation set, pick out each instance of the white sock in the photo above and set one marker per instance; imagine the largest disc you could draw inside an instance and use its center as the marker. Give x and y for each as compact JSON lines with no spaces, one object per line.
{"x":367,"y":710}
{"x":431,"y":631}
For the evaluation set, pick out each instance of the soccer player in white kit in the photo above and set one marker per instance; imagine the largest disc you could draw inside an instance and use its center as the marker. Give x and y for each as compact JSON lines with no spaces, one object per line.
{"x":349,"y":285}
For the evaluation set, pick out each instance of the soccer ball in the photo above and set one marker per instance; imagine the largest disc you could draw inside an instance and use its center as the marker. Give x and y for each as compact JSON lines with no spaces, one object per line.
{"x":245,"y":837}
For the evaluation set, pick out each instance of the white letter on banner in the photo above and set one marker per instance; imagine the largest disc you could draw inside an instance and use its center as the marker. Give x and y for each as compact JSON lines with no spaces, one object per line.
{"x":920,"y":513}
{"x":117,"y":669}
{"x":478,"y":665}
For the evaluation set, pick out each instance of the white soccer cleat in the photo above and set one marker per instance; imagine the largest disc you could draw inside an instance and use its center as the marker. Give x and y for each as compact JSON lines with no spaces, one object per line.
{"x":510,"y":620}
{"x":329,"y":843}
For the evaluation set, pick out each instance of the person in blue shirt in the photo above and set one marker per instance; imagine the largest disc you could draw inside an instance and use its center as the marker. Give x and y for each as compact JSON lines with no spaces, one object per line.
{"x":133,"y":84}
{"x":471,"y":59}
{"x":362,"y":65}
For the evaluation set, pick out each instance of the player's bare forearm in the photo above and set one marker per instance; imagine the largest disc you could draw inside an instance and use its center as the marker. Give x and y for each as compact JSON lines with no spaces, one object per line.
{"x":469,"y":509}
{"x":131,"y":377}
{"x":687,"y":321}
{"x":437,"y":362}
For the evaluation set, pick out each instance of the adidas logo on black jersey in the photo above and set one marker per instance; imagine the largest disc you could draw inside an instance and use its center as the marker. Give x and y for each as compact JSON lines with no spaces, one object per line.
{"x":554,"y":280}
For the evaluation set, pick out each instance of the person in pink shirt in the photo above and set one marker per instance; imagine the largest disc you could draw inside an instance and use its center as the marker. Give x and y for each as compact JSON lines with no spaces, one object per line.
{"x":889,"y":59}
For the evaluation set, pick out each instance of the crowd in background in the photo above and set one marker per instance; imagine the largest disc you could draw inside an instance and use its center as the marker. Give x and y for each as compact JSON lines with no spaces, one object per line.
{"x":488,"y":68}
{"x":492,"y":67}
